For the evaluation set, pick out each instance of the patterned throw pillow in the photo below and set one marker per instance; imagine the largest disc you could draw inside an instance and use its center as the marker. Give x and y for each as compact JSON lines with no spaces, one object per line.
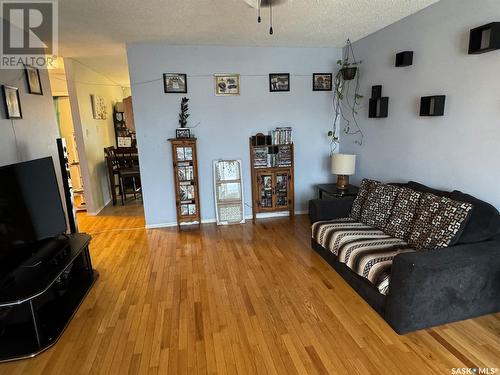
{"x":364,"y":189}
{"x":438,"y":222}
{"x":420,"y":233}
{"x":378,"y":205}
{"x":403,"y":212}
{"x":449,"y":222}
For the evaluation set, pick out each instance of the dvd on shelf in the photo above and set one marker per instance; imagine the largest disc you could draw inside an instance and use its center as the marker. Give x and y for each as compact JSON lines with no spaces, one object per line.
{"x":281,"y":136}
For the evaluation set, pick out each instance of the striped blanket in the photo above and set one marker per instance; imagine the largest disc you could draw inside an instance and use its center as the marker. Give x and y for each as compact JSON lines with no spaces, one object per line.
{"x":366,"y":250}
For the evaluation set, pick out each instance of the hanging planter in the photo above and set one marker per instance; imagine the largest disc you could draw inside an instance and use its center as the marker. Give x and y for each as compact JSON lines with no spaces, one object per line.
{"x":349,"y":73}
{"x":346,"y":98}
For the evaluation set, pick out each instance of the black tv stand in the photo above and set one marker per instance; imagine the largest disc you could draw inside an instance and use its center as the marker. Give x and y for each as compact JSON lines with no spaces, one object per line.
{"x":50,"y":250}
{"x":37,"y":302}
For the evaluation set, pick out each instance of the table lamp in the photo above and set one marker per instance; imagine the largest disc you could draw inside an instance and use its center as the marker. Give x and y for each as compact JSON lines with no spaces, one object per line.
{"x":343,"y":165}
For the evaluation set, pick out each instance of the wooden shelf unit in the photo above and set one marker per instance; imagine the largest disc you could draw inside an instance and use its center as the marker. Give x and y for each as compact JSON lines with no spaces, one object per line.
{"x":272,"y":185}
{"x":187,"y":197}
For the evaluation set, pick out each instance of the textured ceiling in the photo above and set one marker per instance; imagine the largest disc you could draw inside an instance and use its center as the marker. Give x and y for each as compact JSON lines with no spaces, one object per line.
{"x":95,"y":31}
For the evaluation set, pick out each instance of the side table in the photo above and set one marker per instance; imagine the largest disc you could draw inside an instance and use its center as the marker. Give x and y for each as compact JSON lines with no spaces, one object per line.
{"x":331,"y":190}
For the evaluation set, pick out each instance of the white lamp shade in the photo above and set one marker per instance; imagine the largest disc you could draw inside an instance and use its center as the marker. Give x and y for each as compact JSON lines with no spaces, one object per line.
{"x":343,"y":164}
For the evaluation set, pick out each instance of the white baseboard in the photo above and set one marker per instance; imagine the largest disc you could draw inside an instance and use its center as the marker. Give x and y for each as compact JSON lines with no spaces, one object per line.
{"x":265,"y":215}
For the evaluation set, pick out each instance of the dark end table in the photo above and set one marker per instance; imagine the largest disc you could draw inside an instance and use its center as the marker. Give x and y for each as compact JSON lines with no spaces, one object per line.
{"x":331,"y":190}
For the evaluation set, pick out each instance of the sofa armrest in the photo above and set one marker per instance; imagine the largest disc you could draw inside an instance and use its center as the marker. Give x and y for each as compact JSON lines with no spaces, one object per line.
{"x":328,"y":209}
{"x":440,"y":286}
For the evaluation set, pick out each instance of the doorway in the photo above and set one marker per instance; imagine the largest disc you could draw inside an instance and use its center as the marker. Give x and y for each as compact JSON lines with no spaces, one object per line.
{"x":67,"y":131}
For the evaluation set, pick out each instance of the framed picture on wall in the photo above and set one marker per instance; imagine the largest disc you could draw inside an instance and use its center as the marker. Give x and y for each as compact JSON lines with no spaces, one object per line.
{"x":279,"y":82}
{"x":12,"y":102}
{"x":322,"y":82}
{"x":227,"y":84}
{"x":33,"y":79}
{"x":182,"y":133}
{"x":175,"y":83}
{"x":98,"y":107}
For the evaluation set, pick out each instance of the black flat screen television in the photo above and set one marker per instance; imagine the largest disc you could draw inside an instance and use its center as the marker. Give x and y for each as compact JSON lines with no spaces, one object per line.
{"x":30,"y":209}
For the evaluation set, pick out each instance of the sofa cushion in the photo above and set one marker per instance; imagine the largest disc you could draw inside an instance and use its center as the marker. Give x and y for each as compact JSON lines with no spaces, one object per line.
{"x":484,"y":221}
{"x":426,"y":189}
{"x":365,"y":250}
{"x":332,"y":234}
{"x":403,"y":213}
{"x":364,"y":189}
{"x":378,"y":205}
{"x":438,"y":223}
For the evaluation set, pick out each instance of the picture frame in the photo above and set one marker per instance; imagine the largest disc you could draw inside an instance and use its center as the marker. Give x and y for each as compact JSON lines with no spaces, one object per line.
{"x":175,"y":83}
{"x":279,"y":82}
{"x":99,"y":111}
{"x":33,"y":79}
{"x":124,"y":141}
{"x":322,"y":81}
{"x":227,"y":84}
{"x":182,"y":133}
{"x":12,"y":102}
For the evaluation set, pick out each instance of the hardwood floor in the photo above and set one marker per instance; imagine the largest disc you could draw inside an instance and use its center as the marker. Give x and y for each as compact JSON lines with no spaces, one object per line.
{"x":241,"y":299}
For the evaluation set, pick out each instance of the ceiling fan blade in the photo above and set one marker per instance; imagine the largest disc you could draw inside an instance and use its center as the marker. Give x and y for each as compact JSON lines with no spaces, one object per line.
{"x":264,"y":3}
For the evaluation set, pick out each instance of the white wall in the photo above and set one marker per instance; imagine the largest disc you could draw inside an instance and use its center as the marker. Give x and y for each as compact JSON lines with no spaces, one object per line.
{"x":460,"y":150}
{"x":226,"y":123}
{"x":92,"y":135}
{"x":37,"y":131}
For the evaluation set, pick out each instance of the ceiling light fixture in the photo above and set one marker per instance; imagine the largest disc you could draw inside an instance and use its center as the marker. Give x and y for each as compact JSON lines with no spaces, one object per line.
{"x":258,"y":4}
{"x":270,"y":17}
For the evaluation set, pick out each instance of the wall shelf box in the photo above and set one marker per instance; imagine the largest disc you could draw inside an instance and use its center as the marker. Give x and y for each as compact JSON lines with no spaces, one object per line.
{"x":378,"y":106}
{"x":485,"y":38}
{"x":376,"y":91}
{"x":432,"y":105}
{"x":404,"y":58}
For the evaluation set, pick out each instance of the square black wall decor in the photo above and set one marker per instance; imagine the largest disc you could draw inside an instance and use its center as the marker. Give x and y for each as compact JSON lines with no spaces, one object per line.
{"x":432,"y":105}
{"x":484,"y":38}
{"x":378,"y":107}
{"x":376,"y":91}
{"x":404,"y":58}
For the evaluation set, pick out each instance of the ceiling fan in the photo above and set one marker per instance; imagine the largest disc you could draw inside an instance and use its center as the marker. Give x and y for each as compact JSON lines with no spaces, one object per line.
{"x":258,"y":4}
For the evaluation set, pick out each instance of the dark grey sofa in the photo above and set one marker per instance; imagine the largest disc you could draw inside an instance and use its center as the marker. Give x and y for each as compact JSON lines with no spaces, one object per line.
{"x":430,"y":287}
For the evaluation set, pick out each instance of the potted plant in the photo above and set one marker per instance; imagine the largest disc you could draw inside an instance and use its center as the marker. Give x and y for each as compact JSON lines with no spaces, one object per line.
{"x":348,"y":69}
{"x":183,"y":130}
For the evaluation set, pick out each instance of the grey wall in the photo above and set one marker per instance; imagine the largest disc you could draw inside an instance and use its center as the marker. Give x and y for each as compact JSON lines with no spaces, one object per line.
{"x":37,"y":131}
{"x":227,"y":122}
{"x":460,"y":150}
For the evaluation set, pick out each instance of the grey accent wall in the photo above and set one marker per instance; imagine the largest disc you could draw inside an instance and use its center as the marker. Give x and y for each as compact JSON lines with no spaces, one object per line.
{"x":460,"y":150}
{"x":33,"y":136}
{"x":226,"y":123}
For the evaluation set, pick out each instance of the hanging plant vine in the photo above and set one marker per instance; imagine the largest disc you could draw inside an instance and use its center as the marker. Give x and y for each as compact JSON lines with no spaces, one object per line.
{"x":345,"y":103}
